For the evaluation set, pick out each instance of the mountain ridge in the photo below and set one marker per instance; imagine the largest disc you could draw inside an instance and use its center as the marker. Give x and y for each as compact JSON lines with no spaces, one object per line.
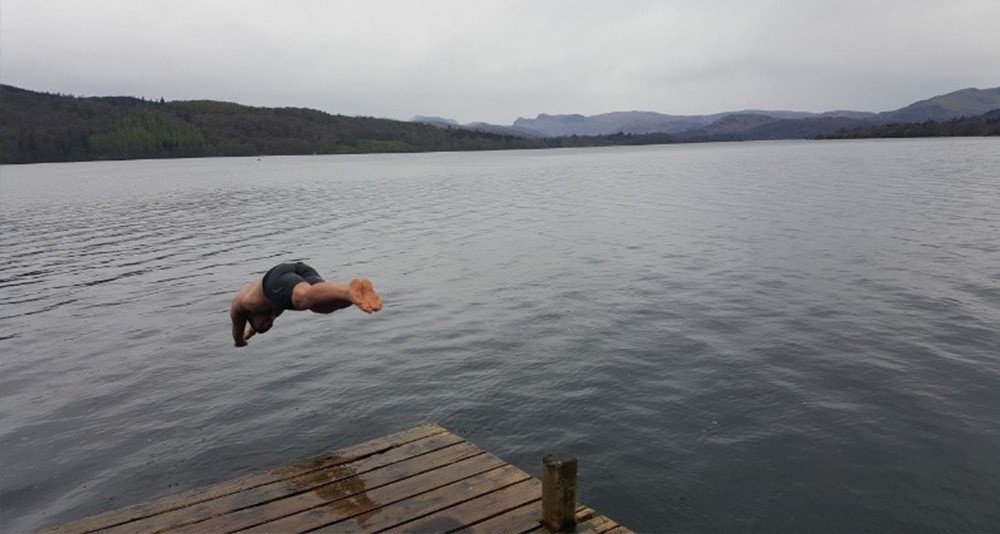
{"x":43,"y":127}
{"x":38,"y":127}
{"x":774,"y":124}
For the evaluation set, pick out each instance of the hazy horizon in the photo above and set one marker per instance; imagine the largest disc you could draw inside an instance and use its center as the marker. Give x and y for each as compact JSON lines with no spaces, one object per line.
{"x":497,"y":61}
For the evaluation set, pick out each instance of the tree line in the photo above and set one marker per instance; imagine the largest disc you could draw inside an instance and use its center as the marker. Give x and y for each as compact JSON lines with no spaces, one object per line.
{"x":43,"y":127}
{"x":987,"y":124}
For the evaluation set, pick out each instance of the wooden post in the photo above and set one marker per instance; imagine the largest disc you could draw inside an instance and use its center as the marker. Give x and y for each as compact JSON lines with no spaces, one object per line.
{"x":559,"y":493}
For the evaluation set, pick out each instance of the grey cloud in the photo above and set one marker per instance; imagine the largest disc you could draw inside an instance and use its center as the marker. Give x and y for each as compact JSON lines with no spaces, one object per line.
{"x":495,"y":61}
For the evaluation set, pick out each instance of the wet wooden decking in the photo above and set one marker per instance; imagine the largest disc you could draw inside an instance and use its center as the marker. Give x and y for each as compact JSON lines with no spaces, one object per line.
{"x":426,"y":479}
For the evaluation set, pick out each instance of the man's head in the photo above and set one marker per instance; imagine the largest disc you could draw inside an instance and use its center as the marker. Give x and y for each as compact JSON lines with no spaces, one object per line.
{"x":262,"y":322}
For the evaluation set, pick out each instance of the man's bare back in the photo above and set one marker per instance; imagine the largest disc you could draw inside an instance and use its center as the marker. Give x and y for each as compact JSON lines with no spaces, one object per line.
{"x":294,"y":287}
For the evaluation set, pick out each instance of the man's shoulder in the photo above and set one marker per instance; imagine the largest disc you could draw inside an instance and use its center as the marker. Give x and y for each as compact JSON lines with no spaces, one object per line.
{"x":252,"y":299}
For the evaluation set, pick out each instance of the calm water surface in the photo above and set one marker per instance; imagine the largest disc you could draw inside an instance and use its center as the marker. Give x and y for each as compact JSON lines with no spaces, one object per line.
{"x":753,"y":337}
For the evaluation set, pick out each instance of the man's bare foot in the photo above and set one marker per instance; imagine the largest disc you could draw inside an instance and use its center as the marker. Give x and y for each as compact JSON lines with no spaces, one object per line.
{"x":363,"y":295}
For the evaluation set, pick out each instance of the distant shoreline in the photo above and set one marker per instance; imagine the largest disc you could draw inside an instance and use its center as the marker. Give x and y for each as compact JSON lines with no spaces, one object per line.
{"x":48,"y":128}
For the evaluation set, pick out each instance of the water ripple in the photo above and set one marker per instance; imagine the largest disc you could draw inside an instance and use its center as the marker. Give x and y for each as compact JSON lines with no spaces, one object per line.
{"x":755,"y":336}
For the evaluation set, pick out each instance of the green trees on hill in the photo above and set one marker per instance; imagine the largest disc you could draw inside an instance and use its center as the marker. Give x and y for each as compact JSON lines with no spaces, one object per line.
{"x":148,"y":134}
{"x":41,"y":127}
{"x":987,"y":124}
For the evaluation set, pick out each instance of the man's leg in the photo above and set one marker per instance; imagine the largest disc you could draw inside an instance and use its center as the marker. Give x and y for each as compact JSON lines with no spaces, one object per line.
{"x":324,"y":297}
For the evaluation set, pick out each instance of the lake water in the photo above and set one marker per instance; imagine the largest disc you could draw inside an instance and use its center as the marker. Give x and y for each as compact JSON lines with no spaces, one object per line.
{"x":745,"y":337}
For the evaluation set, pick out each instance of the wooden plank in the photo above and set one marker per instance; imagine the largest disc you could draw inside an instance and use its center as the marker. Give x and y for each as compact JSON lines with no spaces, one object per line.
{"x":590,"y":522}
{"x":584,"y":513}
{"x":310,"y":481}
{"x":339,"y":509}
{"x":597,"y":525}
{"x":522,"y":519}
{"x":348,"y":489}
{"x":139,"y":511}
{"x":476,"y":510}
{"x":515,"y":520}
{"x":390,"y":517}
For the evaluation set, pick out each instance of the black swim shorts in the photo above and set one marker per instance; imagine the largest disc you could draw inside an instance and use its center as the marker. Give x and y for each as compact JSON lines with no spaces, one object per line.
{"x":281,"y":279}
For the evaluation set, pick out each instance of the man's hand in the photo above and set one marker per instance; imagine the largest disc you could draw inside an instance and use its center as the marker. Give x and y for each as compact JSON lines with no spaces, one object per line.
{"x":242,"y":342}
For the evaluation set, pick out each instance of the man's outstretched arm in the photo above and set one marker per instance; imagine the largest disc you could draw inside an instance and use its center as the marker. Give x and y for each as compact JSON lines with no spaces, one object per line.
{"x":239,"y":325}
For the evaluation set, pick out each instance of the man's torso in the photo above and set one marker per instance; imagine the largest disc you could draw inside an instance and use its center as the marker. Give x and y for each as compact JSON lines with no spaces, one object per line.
{"x":252,"y":298}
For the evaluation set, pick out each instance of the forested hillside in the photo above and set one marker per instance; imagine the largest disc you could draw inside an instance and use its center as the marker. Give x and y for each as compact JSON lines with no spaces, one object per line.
{"x":44,"y":127}
{"x":987,"y":124}
{"x":41,"y":127}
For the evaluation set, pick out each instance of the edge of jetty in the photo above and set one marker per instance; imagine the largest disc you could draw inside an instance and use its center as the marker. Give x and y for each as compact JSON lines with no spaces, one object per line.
{"x":426,"y":479}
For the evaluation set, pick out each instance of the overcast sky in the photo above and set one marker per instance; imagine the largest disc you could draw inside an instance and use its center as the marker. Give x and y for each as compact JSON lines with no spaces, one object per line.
{"x":494,"y":61}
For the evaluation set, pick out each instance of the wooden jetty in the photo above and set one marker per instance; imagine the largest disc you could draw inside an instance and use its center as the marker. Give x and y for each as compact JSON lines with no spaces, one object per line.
{"x":425,"y":479}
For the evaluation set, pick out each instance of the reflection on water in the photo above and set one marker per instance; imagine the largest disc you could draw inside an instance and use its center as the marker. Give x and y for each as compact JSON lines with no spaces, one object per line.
{"x":762,"y":336}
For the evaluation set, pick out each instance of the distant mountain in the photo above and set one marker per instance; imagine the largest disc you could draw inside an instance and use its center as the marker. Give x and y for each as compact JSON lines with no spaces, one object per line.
{"x":963,"y":103}
{"x":761,"y":124}
{"x":435,"y":121}
{"x":747,"y":127}
{"x":987,"y":124}
{"x":629,"y":122}
{"x":442,"y":122}
{"x":42,"y":127}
